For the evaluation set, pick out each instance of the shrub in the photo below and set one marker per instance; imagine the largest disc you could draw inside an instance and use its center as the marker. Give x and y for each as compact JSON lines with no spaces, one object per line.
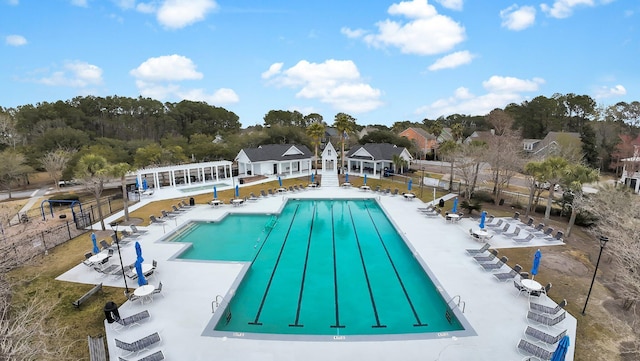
{"x":64,"y":197}
{"x":543,"y":208}
{"x":585,"y":219}
{"x":517,"y":205}
{"x":471,"y":206}
{"x":483,"y":196}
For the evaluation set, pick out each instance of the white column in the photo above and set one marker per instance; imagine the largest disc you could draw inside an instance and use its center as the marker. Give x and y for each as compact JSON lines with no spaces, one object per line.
{"x":374,"y":168}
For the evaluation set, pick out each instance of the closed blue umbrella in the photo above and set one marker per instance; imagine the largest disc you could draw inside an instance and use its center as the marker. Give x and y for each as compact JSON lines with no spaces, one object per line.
{"x":410,"y":184}
{"x":280,"y":181}
{"x":346,"y":177}
{"x":561,"y":351}
{"x":144,"y":185}
{"x":141,"y":280}
{"x":215,"y":192}
{"x":139,"y":253}
{"x":237,"y":191}
{"x":312,"y":177}
{"x":455,"y":206}
{"x":483,"y":216}
{"x":95,"y":243}
{"x":137,"y":184}
{"x":536,"y":263}
{"x":365,"y":179}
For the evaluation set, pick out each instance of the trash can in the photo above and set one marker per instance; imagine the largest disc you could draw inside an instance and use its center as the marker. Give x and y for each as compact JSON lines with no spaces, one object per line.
{"x":441,"y":203}
{"x":111,"y":312}
{"x":192,"y":201}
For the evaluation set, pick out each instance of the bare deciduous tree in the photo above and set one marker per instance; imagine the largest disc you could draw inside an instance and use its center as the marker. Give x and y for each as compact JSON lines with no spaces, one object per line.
{"x":12,"y":168}
{"x":55,"y":162}
{"x":504,"y":150}
{"x":9,"y":135}
{"x":618,"y":218}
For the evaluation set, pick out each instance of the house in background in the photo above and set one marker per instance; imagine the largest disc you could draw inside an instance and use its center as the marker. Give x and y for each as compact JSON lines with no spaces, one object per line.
{"x":329,"y":159}
{"x":424,"y":141}
{"x":274,"y":159}
{"x":631,"y":170}
{"x":554,"y":143}
{"x":480,"y":136}
{"x":374,"y":158}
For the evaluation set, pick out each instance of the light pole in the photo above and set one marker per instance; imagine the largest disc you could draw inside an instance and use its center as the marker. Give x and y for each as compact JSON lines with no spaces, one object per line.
{"x":603,"y":242}
{"x":114,"y":227}
{"x":422,"y":182}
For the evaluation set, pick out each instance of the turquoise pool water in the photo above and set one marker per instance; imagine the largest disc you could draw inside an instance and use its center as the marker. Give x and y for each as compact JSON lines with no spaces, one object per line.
{"x":201,"y":188}
{"x":322,"y":267}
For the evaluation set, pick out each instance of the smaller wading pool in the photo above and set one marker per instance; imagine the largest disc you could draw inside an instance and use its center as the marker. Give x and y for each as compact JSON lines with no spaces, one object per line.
{"x":322,"y":269}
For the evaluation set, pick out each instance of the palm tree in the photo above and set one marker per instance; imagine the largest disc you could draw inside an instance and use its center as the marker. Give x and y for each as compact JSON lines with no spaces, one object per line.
{"x":94,"y":170}
{"x":553,"y":170}
{"x":398,"y":163}
{"x":574,"y":178}
{"x":436,"y":129}
{"x":447,"y":150}
{"x":345,"y":124}
{"x":121,"y":170}
{"x":315,"y":131}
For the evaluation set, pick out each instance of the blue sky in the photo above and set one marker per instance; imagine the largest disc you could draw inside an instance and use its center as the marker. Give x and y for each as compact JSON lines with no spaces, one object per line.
{"x":379,"y":61}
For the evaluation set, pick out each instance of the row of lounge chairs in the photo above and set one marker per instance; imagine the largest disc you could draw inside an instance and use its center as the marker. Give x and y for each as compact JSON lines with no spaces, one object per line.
{"x":541,"y":343}
{"x":141,"y":345}
{"x":501,"y":226}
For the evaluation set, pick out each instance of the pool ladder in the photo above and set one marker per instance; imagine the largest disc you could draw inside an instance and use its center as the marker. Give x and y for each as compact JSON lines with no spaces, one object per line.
{"x":460,"y":301}
{"x":216,"y":303}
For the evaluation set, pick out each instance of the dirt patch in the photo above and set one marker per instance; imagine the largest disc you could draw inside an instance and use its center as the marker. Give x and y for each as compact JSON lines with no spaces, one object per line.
{"x":565,"y":263}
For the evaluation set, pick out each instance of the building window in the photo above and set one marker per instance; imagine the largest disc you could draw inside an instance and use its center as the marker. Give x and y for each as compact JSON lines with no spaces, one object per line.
{"x":329,"y":152}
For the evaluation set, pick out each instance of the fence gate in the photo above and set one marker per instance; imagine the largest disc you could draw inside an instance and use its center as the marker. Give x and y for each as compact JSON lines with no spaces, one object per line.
{"x":82,"y":220}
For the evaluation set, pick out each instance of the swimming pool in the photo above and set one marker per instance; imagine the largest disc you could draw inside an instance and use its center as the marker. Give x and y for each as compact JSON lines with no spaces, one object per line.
{"x":201,"y":188}
{"x":321,"y":267}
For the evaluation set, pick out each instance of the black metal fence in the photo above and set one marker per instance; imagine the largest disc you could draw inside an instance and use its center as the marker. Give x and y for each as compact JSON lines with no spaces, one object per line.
{"x":31,"y":242}
{"x":37,"y":235}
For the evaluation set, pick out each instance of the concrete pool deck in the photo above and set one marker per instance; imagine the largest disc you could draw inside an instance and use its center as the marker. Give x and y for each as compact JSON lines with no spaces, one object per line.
{"x":184,"y":308}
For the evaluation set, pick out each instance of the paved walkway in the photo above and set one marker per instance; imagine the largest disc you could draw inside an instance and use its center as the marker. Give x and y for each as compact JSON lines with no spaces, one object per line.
{"x":496,"y":316}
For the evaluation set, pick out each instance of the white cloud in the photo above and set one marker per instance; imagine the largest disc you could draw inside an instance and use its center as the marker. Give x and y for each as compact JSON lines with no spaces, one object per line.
{"x":125,"y":4}
{"x":501,"y":91}
{"x":273,"y":70}
{"x":220,"y":96}
{"x":15,"y":40}
{"x":334,"y":82}
{"x":564,"y":8}
{"x":453,"y":60}
{"x":507,"y":84}
{"x":146,"y":8}
{"x":353,"y":33}
{"x":607,"y":92}
{"x":167,"y":67}
{"x":158,"y":78}
{"x":13,"y":2}
{"x":451,"y":4}
{"x":81,"y":3}
{"x":176,"y":14}
{"x":518,"y":18}
{"x":75,"y":74}
{"x":426,"y":32}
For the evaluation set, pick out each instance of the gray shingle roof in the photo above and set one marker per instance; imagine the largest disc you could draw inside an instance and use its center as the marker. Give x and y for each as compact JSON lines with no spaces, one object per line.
{"x":379,"y":151}
{"x":276,"y":152}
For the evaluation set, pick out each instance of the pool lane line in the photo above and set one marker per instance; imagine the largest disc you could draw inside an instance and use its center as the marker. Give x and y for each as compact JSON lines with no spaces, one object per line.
{"x":335,"y":271}
{"x":366,"y":274}
{"x":304,"y":270}
{"x":273,"y":225}
{"x":275,"y":267}
{"x":395,"y":270}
